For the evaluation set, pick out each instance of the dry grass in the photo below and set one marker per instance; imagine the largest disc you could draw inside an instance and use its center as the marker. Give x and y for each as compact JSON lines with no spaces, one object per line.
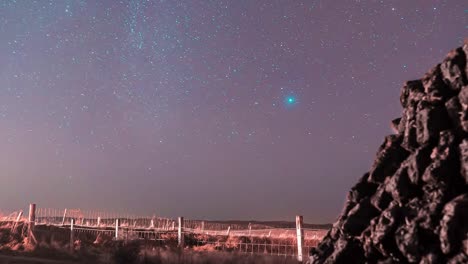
{"x":207,"y":256}
{"x":53,"y":243}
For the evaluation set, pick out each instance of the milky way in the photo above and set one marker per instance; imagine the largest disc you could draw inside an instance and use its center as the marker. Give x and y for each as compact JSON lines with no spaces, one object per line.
{"x":207,"y":109}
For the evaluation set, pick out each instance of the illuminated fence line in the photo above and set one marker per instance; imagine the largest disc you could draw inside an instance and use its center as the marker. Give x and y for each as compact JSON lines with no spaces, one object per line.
{"x":47,"y":216}
{"x":10,"y":217}
{"x":273,"y":249}
{"x":50,"y":216}
{"x":249,"y":239}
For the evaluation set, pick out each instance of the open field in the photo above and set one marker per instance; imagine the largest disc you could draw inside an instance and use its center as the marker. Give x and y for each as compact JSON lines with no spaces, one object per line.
{"x":72,"y":236}
{"x":53,"y":246}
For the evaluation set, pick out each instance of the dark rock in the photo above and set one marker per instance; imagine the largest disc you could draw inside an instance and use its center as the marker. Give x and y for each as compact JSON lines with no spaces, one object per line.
{"x":465,"y":50}
{"x":412,"y":93}
{"x":454,"y":109}
{"x":417,"y":163}
{"x":464,"y":159}
{"x":407,"y":240}
{"x":359,"y":218}
{"x":362,"y":189}
{"x":431,"y":258}
{"x":337,"y":227}
{"x":461,"y":258}
{"x":435,"y":196}
{"x":408,"y":128}
{"x":463,"y":98}
{"x":444,"y":164}
{"x":386,"y":261}
{"x":453,"y":69}
{"x":335,"y":230}
{"x":400,"y":186}
{"x":382,"y":198}
{"x":435,"y":88}
{"x":382,"y":235}
{"x":320,"y":253}
{"x":412,"y":206}
{"x":370,"y":252}
{"x":395,"y":124}
{"x":430,"y":120}
{"x":389,"y":156}
{"x":454,"y":224}
{"x":346,"y":251}
{"x":412,"y":209}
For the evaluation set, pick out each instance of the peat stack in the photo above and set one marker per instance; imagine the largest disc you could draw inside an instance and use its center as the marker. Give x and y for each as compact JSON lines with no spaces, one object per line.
{"x":412,"y":206}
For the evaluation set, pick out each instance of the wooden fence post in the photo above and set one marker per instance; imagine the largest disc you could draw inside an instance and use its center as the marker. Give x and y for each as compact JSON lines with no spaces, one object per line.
{"x":18,"y":218}
{"x":180,"y":233}
{"x":228,"y":230}
{"x":31,"y":223}
{"x":98,"y":221}
{"x":72,"y":235}
{"x":64,"y":216}
{"x":32,"y":214}
{"x":300,"y":238}
{"x":116,"y":229}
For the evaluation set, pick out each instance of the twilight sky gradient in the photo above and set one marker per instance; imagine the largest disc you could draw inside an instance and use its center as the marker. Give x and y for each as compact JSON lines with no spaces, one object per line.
{"x":208,"y":109}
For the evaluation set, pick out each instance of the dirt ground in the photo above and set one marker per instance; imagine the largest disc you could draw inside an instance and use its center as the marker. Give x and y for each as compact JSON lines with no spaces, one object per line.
{"x":31,"y":260}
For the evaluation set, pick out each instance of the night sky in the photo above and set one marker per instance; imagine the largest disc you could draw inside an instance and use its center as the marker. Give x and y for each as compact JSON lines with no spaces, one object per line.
{"x":206,"y":109}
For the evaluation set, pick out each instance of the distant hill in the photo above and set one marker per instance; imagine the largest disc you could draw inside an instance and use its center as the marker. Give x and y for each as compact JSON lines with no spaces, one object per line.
{"x":271,"y":224}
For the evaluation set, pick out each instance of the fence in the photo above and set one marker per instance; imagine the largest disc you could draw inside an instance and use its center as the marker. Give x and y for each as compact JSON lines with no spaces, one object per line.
{"x":181,"y":232}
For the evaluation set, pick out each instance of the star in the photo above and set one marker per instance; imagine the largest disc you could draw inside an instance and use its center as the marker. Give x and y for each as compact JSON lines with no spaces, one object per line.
{"x":118,"y":88}
{"x":290,"y":100}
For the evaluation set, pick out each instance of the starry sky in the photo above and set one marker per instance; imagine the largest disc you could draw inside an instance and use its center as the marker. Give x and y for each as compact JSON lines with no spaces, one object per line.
{"x":206,"y":109}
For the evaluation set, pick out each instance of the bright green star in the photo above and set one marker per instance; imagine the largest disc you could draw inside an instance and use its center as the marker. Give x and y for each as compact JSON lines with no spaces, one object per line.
{"x":290,"y":100}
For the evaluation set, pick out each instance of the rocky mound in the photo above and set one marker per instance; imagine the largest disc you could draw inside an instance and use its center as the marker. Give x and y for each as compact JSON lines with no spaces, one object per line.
{"x":412,"y":206}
